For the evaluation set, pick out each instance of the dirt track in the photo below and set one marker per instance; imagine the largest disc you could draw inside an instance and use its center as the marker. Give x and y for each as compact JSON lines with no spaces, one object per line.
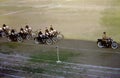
{"x":91,"y":54}
{"x":91,"y":58}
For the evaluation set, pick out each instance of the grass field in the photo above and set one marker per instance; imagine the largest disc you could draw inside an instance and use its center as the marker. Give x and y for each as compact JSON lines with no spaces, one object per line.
{"x":111,"y":19}
{"x":76,"y":19}
{"x":2,"y":0}
{"x":38,"y":53}
{"x":82,"y":20}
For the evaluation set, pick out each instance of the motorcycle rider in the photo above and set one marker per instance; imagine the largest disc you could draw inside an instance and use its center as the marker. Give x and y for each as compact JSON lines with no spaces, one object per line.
{"x":12,"y":34}
{"x":40,"y":35}
{"x":104,"y":38}
{"x":0,"y":29}
{"x":52,"y":30}
{"x":5,"y":29}
{"x":0,"y":32}
{"x":47,"y":33}
{"x":28,"y":29}
{"x":22,"y":32}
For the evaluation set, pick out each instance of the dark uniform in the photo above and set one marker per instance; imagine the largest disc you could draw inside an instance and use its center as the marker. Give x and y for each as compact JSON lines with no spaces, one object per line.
{"x":47,"y":32}
{"x":40,"y":35}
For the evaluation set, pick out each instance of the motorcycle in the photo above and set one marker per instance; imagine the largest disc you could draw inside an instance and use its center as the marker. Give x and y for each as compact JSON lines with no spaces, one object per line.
{"x":15,"y":38}
{"x":56,"y":36}
{"x":43,"y":40}
{"x":109,"y":43}
{"x":4,"y":33}
{"x":25,"y":35}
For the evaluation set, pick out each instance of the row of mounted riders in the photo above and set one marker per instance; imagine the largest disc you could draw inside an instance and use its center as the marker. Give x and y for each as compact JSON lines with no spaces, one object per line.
{"x":28,"y":34}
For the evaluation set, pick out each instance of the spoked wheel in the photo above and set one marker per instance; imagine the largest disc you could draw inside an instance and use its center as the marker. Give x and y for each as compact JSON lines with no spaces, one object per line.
{"x":19,"y":39}
{"x":60,"y":37}
{"x":33,"y":35}
{"x":99,"y":44}
{"x":3,"y":34}
{"x":49,"y":42}
{"x":114,"y":45}
{"x":9,"y":39}
{"x":54,"y":39}
{"x":29,"y":37}
{"x":36,"y":41}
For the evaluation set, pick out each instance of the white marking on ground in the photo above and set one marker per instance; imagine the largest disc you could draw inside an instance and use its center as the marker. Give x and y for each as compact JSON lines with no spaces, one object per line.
{"x":89,"y":50}
{"x":12,"y":76}
{"x":14,"y":12}
{"x":60,"y":6}
{"x":92,"y":70}
{"x":88,"y":68}
{"x":83,"y":65}
{"x":93,"y":66}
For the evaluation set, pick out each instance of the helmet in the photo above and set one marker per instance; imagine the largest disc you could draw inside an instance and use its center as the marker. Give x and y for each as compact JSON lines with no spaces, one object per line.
{"x":104,"y":32}
{"x":26,"y":26}
{"x":12,"y":30}
{"x":4,"y":25}
{"x":21,"y":29}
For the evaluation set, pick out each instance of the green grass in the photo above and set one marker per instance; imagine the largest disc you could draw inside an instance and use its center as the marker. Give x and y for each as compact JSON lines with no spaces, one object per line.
{"x":111,"y":20}
{"x":11,"y":45}
{"x":116,"y":3}
{"x":51,"y":56}
{"x":111,"y":16}
{"x":33,"y":70}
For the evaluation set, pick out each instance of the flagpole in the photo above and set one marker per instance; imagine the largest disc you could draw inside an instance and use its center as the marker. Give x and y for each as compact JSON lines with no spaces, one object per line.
{"x":58,"y":57}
